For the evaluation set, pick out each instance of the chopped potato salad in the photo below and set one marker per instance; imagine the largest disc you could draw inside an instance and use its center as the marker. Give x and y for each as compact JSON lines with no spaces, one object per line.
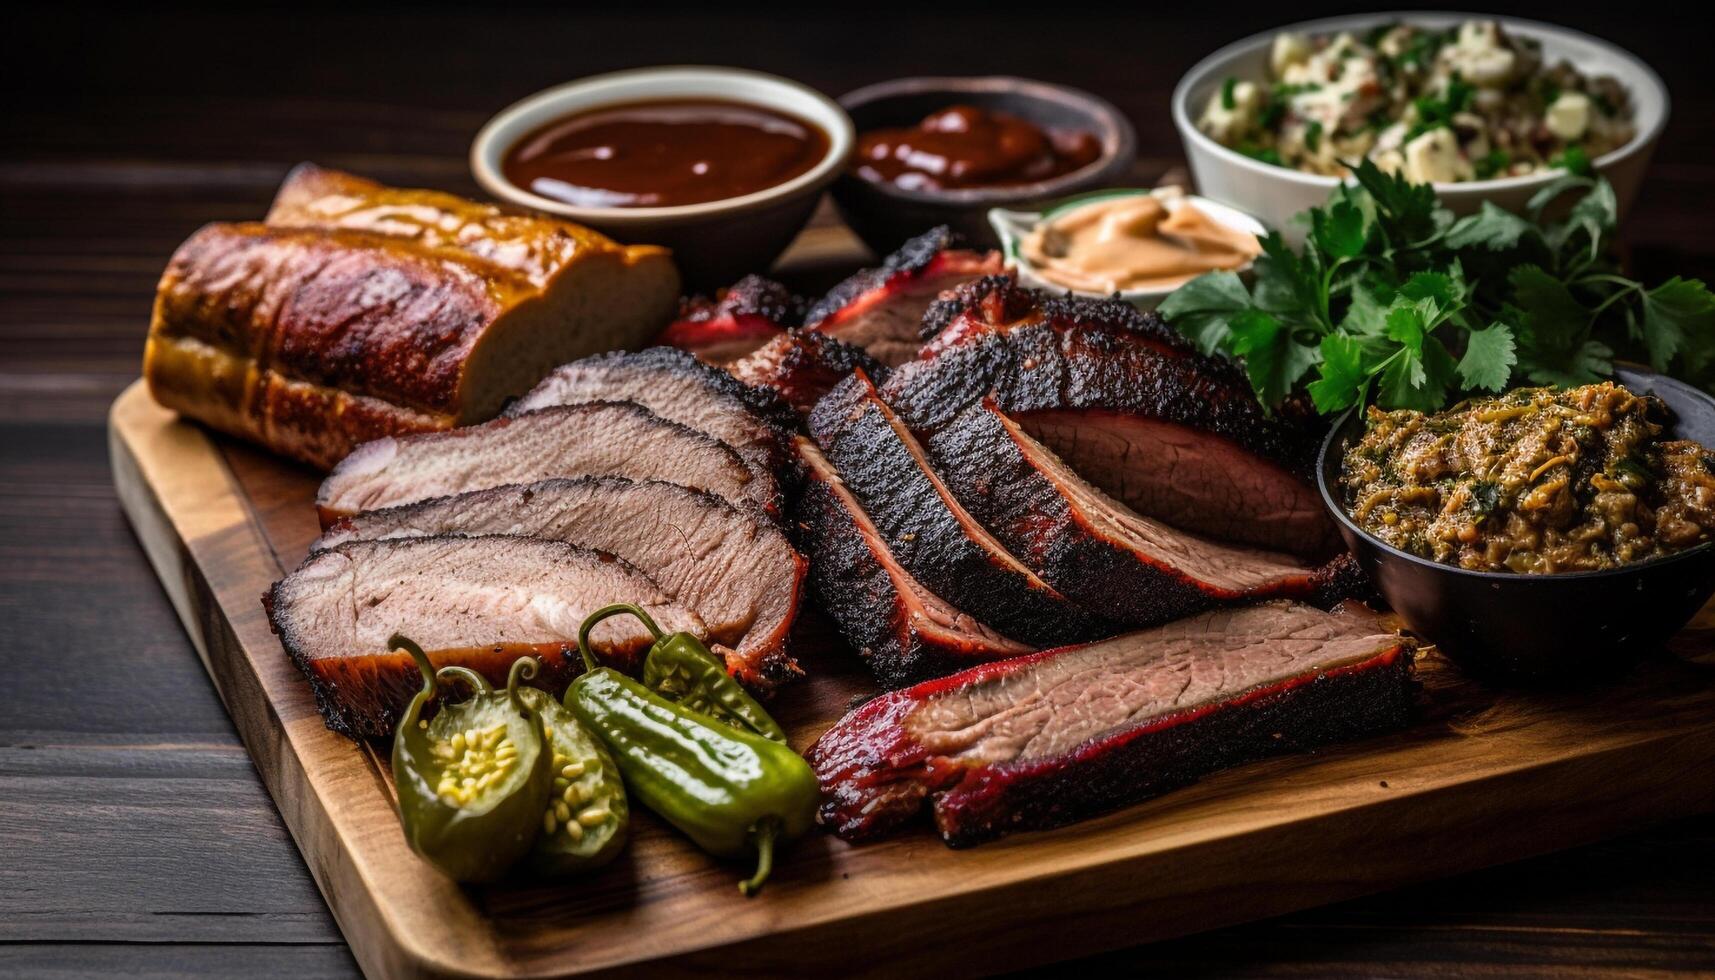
{"x":1433,"y":105}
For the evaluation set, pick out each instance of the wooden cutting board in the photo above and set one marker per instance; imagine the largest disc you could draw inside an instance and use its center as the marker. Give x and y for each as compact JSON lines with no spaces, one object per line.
{"x":1483,"y":777}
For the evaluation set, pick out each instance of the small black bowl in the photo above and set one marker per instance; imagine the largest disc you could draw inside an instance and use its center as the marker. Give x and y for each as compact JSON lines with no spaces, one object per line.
{"x":1566,"y":628}
{"x":884,"y":215}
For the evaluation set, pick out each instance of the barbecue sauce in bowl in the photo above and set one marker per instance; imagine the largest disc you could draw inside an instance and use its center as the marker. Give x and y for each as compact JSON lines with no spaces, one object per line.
{"x":664,"y":153}
{"x":963,"y":146}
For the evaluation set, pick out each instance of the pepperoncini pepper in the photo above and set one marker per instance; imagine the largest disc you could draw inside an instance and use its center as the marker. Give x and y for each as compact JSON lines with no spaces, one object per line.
{"x":728,"y":788}
{"x":584,"y":822}
{"x":681,"y":669}
{"x":472,"y":781}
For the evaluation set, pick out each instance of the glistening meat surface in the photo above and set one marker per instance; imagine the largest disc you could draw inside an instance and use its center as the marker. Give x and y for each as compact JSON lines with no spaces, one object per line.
{"x":735,"y":570}
{"x":593,"y":439}
{"x":477,"y":601}
{"x":1129,"y":405}
{"x":901,"y":629}
{"x":1054,"y":737}
{"x":802,"y":366}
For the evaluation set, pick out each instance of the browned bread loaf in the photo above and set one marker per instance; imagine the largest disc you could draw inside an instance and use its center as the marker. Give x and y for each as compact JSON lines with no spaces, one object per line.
{"x":358,"y":311}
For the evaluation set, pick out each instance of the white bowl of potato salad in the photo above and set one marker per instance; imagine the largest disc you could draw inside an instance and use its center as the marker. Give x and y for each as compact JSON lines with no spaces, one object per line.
{"x":1485,"y":108}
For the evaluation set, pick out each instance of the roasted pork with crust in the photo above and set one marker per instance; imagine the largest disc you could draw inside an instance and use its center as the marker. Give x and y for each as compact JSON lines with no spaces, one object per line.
{"x":743,"y":317}
{"x":802,"y":366}
{"x":902,"y":630}
{"x":881,"y":309}
{"x":592,"y":439}
{"x":735,"y":570}
{"x":930,"y":532}
{"x":480,"y":602}
{"x":676,"y":386}
{"x":1051,"y":738}
{"x":1129,"y":404}
{"x":359,"y":311}
{"x":1090,"y":547}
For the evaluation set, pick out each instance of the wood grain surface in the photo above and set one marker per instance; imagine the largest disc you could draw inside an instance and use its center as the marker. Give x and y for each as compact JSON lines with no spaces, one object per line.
{"x":136,"y":836}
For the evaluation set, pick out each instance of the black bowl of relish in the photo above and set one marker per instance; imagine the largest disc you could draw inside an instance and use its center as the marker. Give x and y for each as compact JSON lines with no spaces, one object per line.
{"x":1549,"y":629}
{"x":943,"y":151}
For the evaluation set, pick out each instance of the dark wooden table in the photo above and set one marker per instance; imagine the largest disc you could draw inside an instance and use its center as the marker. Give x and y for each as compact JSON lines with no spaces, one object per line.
{"x":135,"y":837}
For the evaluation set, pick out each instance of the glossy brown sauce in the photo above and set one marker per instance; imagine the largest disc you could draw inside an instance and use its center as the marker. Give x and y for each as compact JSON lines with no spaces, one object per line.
{"x":964,"y":146}
{"x":664,"y":153}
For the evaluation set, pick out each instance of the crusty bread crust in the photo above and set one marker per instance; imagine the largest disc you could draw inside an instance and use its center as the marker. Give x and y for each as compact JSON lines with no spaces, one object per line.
{"x":359,"y":311}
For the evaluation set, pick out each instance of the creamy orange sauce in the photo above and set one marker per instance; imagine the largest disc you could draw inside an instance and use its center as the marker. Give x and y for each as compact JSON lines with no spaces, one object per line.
{"x":1144,"y":241}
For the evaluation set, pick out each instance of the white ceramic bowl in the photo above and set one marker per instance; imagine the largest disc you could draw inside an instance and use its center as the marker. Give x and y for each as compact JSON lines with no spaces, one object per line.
{"x":1275,"y":194}
{"x":1011,"y":227}
{"x":714,"y":242}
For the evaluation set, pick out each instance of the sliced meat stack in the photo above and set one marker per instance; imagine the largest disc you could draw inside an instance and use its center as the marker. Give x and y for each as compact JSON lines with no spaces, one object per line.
{"x":735,"y":570}
{"x":1128,"y":404}
{"x":676,"y":386}
{"x":487,"y":542}
{"x":593,"y":439}
{"x":1050,"y":738}
{"x":926,"y":527}
{"x":802,"y":366}
{"x":480,"y":602}
{"x":881,"y":309}
{"x":743,"y":317}
{"x":1090,"y":547}
{"x":904,"y":631}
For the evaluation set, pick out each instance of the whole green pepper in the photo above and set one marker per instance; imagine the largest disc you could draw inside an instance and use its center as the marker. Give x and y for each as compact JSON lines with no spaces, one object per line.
{"x":728,"y":789}
{"x":584,"y":823}
{"x":473,"y":781}
{"x":681,"y":669}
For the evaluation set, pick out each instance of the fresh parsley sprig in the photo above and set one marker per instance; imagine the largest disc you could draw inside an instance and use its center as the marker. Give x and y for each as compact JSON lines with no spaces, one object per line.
{"x":1393,"y":300}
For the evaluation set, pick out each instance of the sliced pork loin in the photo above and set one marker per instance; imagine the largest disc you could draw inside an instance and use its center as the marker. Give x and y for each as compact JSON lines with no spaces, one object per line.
{"x":1093,"y":549}
{"x":743,"y":317}
{"x":735,"y":570}
{"x":480,"y":602}
{"x":932,"y":535}
{"x":881,"y":309}
{"x":1051,"y":738}
{"x":593,"y":439}
{"x":901,"y":629}
{"x":802,"y":366}
{"x":1128,"y":404}
{"x":676,"y":386}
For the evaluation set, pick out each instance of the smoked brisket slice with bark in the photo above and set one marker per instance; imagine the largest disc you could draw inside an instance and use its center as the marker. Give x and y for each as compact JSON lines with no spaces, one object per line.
{"x":881,"y":309}
{"x":1055,"y":737}
{"x":800,"y":367}
{"x":1091,"y":548}
{"x":479,"y":602}
{"x":735,"y":570}
{"x":593,"y":439}
{"x":901,"y":629}
{"x":932,"y":535}
{"x":676,"y":386}
{"x":743,"y":317}
{"x":1129,"y":404}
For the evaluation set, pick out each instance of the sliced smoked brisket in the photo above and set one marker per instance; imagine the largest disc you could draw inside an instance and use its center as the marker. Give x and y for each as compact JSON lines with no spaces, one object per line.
{"x":743,"y":317}
{"x":480,"y":602}
{"x":901,"y":629}
{"x":802,"y":366}
{"x":881,"y":309}
{"x":735,"y":570}
{"x":1127,"y":403}
{"x":594,"y":439}
{"x":931,"y":534}
{"x":1091,"y":548}
{"x":1054,"y":737}
{"x":676,"y":386}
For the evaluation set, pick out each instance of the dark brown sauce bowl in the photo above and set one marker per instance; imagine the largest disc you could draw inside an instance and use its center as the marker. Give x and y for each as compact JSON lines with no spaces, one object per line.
{"x":1539,"y":630}
{"x":884,"y":215}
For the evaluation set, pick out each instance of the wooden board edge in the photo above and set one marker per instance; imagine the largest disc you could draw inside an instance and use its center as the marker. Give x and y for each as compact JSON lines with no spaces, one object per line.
{"x":379,"y":949}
